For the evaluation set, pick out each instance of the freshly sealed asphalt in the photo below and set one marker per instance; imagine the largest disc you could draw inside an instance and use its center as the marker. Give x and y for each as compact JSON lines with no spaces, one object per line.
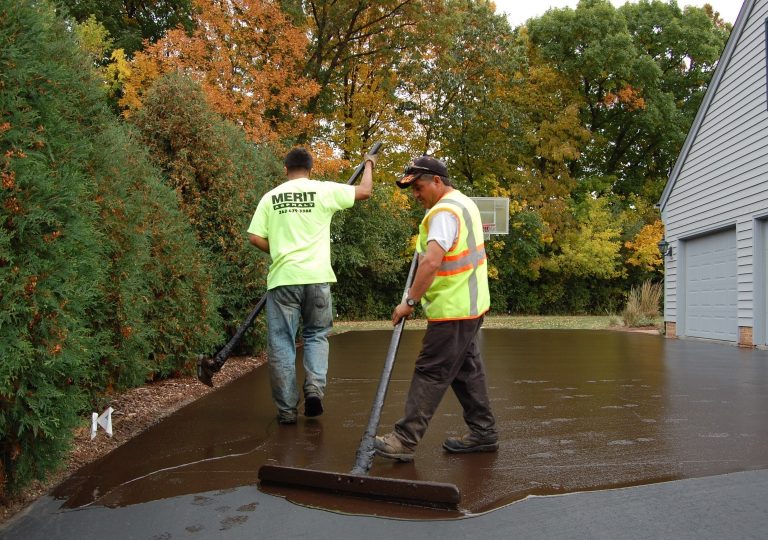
{"x":603,"y":435}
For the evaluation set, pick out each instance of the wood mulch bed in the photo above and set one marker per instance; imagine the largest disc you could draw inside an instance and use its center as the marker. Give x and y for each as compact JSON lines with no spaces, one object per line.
{"x":134,"y":411}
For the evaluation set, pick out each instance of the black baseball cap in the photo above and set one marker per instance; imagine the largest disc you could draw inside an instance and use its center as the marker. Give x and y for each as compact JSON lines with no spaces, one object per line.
{"x":420,"y":166}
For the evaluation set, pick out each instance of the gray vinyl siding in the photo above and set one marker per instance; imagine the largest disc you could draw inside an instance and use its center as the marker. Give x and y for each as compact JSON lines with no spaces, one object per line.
{"x":745,"y":271}
{"x":722,"y":181}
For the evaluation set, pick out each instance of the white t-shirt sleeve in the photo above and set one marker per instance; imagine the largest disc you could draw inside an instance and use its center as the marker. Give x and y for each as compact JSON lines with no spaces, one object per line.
{"x":443,"y":229}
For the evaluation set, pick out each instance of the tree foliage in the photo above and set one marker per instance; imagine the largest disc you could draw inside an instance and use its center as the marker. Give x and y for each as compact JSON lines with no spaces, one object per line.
{"x":218,"y":177}
{"x":345,"y":34}
{"x":458,"y":93}
{"x":50,"y":253}
{"x":643,"y":248}
{"x":246,"y":55}
{"x":131,"y":22}
{"x":641,"y":71}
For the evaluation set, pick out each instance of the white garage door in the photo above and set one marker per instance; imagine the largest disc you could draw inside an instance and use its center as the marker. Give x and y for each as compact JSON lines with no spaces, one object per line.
{"x":710,"y":286}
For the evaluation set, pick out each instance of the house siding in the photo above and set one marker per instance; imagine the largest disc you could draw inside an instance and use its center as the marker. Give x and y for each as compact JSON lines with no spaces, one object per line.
{"x":744,"y":270}
{"x":722,"y":180}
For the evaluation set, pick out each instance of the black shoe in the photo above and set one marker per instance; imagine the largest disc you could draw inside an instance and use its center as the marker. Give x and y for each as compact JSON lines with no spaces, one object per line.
{"x":470,"y":443}
{"x":313,"y":406}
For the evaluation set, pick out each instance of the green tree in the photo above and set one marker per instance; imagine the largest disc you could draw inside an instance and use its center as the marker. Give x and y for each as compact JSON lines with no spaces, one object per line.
{"x":94,"y":39}
{"x":590,"y":249}
{"x":357,"y":55}
{"x":641,"y":71}
{"x":458,"y":91}
{"x":345,"y":33}
{"x":130,"y":22}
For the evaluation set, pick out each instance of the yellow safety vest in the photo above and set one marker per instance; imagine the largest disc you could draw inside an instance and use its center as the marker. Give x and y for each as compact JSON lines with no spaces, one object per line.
{"x":460,"y":288}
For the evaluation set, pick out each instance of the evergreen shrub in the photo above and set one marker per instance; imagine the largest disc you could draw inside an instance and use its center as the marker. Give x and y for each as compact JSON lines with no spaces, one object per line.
{"x":218,"y":176}
{"x":102,"y":283}
{"x":50,"y":251}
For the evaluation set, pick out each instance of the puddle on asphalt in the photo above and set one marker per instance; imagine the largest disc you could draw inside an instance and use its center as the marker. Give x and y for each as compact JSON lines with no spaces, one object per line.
{"x":576,"y":411}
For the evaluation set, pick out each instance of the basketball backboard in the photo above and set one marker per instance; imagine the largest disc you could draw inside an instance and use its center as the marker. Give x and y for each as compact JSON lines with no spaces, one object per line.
{"x":494,"y":212}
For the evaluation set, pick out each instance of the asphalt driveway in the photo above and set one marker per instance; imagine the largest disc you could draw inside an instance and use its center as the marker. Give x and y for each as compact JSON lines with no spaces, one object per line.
{"x":604,"y":434}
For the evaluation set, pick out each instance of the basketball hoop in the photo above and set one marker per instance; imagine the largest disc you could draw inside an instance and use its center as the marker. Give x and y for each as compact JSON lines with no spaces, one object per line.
{"x":494,"y":211}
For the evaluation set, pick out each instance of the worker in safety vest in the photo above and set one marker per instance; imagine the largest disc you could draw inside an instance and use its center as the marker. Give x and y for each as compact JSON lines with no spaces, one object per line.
{"x":451,"y":283}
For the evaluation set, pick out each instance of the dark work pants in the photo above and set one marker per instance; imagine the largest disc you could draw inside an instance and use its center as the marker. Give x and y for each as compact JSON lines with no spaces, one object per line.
{"x":449,"y":356}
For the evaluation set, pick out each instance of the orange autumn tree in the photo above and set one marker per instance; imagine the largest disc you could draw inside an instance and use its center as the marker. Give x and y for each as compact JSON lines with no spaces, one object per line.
{"x":247,"y":56}
{"x":644,"y":249}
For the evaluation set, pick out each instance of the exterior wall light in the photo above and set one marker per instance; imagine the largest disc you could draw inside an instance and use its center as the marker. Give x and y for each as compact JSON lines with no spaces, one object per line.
{"x":665,"y":248}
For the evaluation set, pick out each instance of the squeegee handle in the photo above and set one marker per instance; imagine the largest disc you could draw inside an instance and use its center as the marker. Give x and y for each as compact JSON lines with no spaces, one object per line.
{"x":223,"y":354}
{"x":226,"y":350}
{"x":365,"y":452}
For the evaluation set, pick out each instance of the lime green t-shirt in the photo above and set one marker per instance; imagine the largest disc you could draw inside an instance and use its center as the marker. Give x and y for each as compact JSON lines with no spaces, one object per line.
{"x":296,"y":219}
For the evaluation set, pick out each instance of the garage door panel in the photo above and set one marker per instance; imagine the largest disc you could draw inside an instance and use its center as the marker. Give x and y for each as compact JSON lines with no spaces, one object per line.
{"x":711,"y":286}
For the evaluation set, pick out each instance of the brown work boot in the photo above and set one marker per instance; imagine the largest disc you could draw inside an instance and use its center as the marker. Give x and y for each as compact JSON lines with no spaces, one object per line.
{"x":390,"y":446}
{"x":471,"y":443}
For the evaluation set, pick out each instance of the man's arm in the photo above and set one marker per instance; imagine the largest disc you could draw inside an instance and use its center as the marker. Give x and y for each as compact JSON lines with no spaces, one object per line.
{"x":429,"y":264}
{"x":259,"y":242}
{"x":365,"y":188}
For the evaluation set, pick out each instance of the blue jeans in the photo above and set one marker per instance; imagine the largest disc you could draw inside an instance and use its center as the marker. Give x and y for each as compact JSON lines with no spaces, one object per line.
{"x":287,"y":305}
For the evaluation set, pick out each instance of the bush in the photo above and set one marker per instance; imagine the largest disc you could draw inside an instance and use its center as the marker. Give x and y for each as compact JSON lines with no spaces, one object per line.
{"x":50,"y":254}
{"x":159,"y":307}
{"x":101,"y":280}
{"x":219,"y":177}
{"x":642,"y":307}
{"x":371,"y":252}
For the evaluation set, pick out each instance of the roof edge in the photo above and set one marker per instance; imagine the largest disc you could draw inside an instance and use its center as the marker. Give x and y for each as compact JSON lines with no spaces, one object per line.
{"x":722,"y":65}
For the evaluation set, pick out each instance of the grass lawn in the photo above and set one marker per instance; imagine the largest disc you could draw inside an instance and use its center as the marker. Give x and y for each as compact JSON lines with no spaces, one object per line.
{"x":572,"y":322}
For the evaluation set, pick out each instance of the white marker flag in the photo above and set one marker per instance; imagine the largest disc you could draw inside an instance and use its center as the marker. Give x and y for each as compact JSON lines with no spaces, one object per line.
{"x":104,"y":420}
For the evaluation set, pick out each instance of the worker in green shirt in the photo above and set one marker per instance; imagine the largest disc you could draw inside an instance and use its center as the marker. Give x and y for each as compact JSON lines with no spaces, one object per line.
{"x":293,"y":224}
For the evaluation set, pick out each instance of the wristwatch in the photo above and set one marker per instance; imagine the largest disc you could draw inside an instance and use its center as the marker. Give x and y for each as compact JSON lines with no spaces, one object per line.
{"x":411,"y":302}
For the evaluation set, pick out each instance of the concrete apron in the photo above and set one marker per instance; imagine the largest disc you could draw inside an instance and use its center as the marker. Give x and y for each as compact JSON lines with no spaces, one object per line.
{"x":576,"y":410}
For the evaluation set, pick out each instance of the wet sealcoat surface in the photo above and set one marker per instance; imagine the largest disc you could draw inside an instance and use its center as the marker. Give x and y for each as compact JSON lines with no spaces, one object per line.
{"x":576,"y":411}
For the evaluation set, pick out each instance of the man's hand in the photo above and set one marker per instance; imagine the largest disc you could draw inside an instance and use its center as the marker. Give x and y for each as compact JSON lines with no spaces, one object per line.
{"x":372,"y":158}
{"x":401,"y":310}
